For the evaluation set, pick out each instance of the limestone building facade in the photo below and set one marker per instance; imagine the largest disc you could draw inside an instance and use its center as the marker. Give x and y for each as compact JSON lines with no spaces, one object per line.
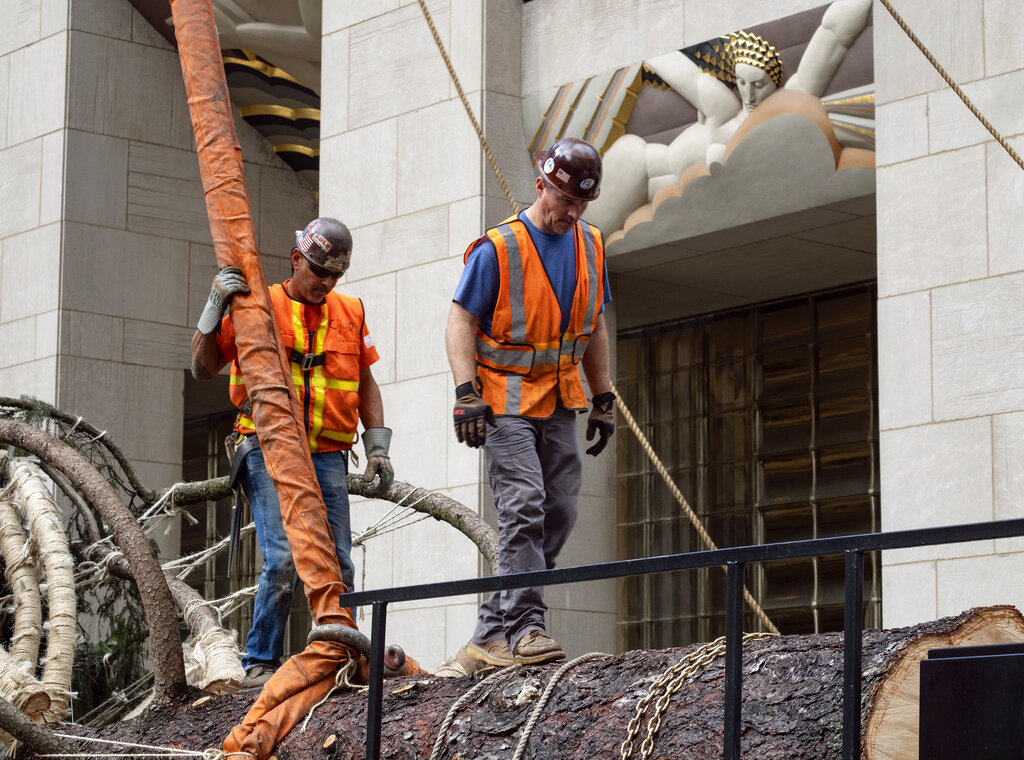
{"x":806,"y":366}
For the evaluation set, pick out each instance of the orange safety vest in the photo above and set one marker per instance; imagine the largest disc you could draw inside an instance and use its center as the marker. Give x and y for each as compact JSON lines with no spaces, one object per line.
{"x":325,"y":369}
{"x":526,"y":357}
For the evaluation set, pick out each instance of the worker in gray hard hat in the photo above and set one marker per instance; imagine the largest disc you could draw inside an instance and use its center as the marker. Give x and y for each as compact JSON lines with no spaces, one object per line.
{"x":527,"y":314}
{"x":330,"y":350}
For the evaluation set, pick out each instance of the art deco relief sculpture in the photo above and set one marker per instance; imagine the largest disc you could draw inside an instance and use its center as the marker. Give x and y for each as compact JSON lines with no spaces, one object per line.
{"x":284,"y":32}
{"x":636,"y":169}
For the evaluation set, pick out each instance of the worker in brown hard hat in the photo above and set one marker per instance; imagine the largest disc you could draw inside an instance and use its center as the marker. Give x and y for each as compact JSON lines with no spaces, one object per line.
{"x":527,"y":314}
{"x":330,"y":349}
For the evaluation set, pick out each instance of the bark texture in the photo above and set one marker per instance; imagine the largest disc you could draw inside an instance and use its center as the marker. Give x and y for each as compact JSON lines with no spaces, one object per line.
{"x":792,"y":704}
{"x":35,"y":739}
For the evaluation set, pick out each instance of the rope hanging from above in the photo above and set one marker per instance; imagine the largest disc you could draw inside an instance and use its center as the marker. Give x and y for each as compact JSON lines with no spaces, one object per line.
{"x":953,"y":85}
{"x":469,"y":112}
{"x":694,"y":519}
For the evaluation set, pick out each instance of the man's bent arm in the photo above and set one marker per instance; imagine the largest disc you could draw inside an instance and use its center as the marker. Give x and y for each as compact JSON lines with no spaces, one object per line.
{"x":596,"y":359}
{"x":371,"y":405}
{"x":460,"y":340}
{"x":207,"y":359}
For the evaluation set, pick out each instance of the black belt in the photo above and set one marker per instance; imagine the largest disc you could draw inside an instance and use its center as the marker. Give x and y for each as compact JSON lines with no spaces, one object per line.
{"x":307,"y":361}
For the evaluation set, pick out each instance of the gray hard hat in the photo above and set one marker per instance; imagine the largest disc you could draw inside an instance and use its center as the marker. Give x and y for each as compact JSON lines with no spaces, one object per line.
{"x":323,"y":241}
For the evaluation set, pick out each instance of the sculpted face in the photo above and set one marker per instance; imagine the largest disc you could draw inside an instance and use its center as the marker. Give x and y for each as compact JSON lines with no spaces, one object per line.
{"x":754,"y":85}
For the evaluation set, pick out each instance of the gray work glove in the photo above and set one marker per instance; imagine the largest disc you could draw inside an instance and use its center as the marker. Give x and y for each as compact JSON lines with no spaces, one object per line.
{"x":228,"y":281}
{"x":471,"y":415}
{"x":601,"y":421}
{"x":376,"y":444}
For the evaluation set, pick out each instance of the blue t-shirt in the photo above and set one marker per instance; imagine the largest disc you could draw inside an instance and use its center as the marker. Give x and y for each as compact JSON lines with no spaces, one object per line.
{"x":477,"y":291}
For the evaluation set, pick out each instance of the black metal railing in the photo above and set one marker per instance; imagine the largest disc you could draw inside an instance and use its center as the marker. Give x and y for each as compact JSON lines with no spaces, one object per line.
{"x":735,"y":560}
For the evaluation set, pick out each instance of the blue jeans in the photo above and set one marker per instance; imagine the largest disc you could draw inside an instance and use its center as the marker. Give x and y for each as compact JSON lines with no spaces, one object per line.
{"x":278,"y":580}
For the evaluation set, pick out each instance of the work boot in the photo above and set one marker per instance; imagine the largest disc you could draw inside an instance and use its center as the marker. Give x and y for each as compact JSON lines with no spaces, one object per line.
{"x":493,"y":652}
{"x":257,"y":675}
{"x":537,"y":646}
{"x":462,"y":665}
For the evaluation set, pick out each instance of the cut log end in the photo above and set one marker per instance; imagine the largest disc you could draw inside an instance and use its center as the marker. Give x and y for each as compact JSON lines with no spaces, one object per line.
{"x":892,"y":727}
{"x":36,"y":705}
{"x":222,"y":686}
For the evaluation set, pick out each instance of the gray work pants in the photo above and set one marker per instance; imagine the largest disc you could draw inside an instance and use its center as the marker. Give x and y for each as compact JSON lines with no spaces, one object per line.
{"x":535,"y":473}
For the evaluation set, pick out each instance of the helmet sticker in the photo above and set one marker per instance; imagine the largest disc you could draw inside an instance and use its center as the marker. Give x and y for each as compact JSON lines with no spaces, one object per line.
{"x":321,"y":241}
{"x":311,"y":235}
{"x":549,"y":166}
{"x":562,"y":174}
{"x":587,"y":184}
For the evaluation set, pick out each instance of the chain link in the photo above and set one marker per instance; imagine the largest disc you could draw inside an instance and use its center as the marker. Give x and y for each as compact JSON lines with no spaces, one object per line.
{"x":670,"y":682}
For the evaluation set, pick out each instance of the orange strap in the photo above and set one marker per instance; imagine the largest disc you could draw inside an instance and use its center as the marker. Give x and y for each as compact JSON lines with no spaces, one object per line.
{"x":267,"y":378}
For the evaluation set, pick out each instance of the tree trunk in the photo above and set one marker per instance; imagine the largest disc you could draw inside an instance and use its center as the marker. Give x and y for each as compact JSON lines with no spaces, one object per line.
{"x":792,"y":704}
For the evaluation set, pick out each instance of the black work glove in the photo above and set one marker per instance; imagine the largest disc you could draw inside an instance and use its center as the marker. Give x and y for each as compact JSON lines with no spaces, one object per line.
{"x":471,"y":415}
{"x":601,"y":421}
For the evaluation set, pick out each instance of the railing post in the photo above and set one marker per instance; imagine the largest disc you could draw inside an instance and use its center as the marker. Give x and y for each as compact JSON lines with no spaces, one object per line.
{"x":853,"y":629}
{"x":375,"y":696}
{"x":733,"y":660}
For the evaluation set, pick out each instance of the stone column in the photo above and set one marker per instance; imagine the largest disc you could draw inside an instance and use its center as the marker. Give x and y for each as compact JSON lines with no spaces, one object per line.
{"x":950,"y":323}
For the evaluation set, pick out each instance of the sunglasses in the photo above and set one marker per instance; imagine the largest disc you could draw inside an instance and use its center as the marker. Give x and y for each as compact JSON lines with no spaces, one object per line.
{"x":320,"y":272}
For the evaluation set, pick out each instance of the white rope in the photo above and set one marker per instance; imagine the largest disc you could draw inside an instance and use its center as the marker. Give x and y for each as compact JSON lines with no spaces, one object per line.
{"x":193,"y":561}
{"x":218,"y":661}
{"x":72,"y":428}
{"x":392,"y":519}
{"x":232,"y":602}
{"x":535,"y":715}
{"x":434,"y":754}
{"x":404,"y":521}
{"x":159,"y":511}
{"x":340,"y":679}
{"x":209,"y":754}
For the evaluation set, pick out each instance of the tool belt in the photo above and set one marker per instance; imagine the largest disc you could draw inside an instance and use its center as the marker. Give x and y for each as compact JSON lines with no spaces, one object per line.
{"x":238,"y":447}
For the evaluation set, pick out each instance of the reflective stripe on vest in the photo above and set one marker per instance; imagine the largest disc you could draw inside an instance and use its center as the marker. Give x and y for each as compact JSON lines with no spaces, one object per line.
{"x":309,"y":373}
{"x":520,"y":370}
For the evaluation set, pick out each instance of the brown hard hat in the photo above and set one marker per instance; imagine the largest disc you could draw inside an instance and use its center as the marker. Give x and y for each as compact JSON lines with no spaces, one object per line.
{"x":323,"y":241}
{"x":573,"y":166}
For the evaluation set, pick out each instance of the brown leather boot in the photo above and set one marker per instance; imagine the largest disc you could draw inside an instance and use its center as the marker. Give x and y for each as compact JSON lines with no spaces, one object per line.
{"x":537,"y":646}
{"x":493,"y":652}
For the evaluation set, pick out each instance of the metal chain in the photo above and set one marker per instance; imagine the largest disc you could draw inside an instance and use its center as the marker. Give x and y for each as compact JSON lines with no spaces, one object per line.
{"x":694,"y":519}
{"x":671,"y":681}
{"x":955,"y":87}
